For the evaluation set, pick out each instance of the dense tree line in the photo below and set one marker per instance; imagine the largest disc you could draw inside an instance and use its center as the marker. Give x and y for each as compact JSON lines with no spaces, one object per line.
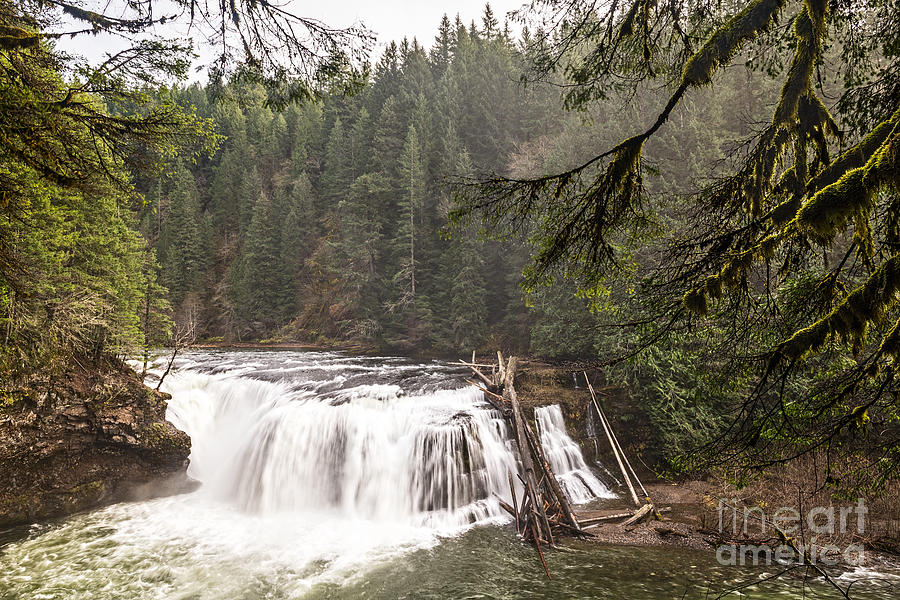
{"x":327,"y":221}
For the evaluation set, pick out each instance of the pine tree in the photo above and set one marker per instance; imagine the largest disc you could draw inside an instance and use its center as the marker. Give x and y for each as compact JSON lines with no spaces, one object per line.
{"x":298,"y":235}
{"x":412,"y":177}
{"x":388,"y":141}
{"x":489,"y":23}
{"x":250,"y":189}
{"x":357,"y":253}
{"x":338,"y":165}
{"x":262,"y":272}
{"x":226,"y":191}
{"x":464,"y":275}
{"x":184,"y":261}
{"x":155,"y":308}
{"x":442,"y":51}
{"x":361,"y":144}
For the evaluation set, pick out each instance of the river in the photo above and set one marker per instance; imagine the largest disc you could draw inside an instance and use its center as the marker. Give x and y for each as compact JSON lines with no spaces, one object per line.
{"x":329,"y":476}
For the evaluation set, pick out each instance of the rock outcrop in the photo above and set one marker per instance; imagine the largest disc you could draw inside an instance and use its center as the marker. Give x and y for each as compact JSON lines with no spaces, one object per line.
{"x":89,"y":437}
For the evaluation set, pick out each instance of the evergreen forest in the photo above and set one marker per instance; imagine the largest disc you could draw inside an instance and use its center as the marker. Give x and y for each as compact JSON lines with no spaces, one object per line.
{"x":701,"y":200}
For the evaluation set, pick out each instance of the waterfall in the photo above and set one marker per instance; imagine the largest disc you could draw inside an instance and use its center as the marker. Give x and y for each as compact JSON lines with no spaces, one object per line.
{"x":317,"y":469}
{"x":565,"y":457}
{"x":438,"y":459}
{"x":356,"y":438}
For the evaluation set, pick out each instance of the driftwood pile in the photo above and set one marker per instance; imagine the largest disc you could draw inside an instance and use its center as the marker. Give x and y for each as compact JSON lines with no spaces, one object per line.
{"x":544,"y":513}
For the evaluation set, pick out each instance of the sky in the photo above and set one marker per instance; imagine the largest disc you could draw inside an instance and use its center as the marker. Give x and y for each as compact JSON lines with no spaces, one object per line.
{"x":388,"y":19}
{"x":394,"y":19}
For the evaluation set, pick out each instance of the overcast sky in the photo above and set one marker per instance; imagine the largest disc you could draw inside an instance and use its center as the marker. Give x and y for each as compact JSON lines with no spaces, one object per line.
{"x":388,"y":19}
{"x":394,"y":19}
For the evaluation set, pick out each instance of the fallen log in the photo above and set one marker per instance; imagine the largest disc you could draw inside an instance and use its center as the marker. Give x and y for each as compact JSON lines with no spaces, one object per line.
{"x":512,"y":494}
{"x":609,"y":436}
{"x":596,"y":521}
{"x":492,"y":398}
{"x":566,"y":509}
{"x":644,"y":512}
{"x":509,"y":394}
{"x":506,"y":507}
{"x":544,"y":510}
{"x":487,"y":380}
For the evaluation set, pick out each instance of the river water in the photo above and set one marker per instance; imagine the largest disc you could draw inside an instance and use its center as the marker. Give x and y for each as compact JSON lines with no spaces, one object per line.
{"x":328,"y":476}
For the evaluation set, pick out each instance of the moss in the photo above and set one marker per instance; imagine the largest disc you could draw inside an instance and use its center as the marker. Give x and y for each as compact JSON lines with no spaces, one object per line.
{"x":695,"y":301}
{"x":713,"y":286}
{"x":84,"y":495}
{"x":857,"y":156}
{"x":829,"y":209}
{"x":627,"y":27}
{"x":851,"y":318}
{"x":722,"y":45}
{"x":852,"y":195}
{"x":9,"y":399}
{"x":809,"y":32}
{"x":842,"y":192}
{"x":89,"y":488}
{"x":162,"y":438}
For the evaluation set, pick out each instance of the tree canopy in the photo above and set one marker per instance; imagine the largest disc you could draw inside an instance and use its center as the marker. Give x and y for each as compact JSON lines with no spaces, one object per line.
{"x":791,"y":246}
{"x":76,"y":135}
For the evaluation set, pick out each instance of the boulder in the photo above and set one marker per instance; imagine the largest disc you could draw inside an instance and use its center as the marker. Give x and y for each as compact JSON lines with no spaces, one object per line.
{"x":88,"y":437}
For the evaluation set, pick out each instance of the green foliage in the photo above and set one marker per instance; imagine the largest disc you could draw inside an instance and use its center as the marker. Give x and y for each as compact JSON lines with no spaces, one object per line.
{"x":183,"y":258}
{"x":73,"y":272}
{"x":326,"y":218}
{"x":687,"y":403}
{"x":785,"y":255}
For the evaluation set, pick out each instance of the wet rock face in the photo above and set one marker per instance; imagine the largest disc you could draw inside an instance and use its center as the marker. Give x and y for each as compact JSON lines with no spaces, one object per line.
{"x":543,"y":385}
{"x":83,"y":439}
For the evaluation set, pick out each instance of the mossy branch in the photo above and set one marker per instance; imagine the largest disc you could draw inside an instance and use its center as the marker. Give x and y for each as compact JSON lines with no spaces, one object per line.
{"x":848,"y":321}
{"x":722,"y":46}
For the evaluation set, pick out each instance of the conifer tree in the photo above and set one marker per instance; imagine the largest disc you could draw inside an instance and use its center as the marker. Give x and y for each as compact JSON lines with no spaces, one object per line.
{"x":388,"y":140}
{"x":361,"y":144}
{"x":489,"y":23}
{"x":442,"y":51}
{"x":249,"y":191}
{"x":412,"y":178}
{"x":262,"y":273}
{"x":184,"y":262}
{"x":338,"y":165}
{"x":357,"y":256}
{"x":464,"y":273}
{"x":298,"y":234}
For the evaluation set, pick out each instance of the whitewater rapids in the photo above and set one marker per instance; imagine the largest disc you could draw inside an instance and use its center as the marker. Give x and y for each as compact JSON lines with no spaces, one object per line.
{"x":314,"y":469}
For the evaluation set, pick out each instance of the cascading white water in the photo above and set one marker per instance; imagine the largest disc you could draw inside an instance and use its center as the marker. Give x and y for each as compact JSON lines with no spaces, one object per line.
{"x":324,"y":476}
{"x":439,"y":458}
{"x":308,"y":441}
{"x":565,"y":457}
{"x":316,"y":468}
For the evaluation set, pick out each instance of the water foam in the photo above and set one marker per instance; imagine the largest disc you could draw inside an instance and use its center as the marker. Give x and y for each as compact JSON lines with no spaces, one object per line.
{"x":317,"y":477}
{"x":565,"y":457}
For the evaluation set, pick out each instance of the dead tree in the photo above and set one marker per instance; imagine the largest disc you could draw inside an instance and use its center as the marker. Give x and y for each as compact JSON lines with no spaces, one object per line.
{"x":544,"y":513}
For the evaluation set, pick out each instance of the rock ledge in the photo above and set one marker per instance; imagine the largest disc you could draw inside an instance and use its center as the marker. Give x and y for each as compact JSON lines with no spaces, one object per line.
{"x":89,"y":437}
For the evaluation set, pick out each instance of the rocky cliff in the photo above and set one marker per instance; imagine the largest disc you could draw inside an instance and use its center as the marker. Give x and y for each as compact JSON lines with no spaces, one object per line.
{"x":541,"y":384}
{"x":88,"y":437}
